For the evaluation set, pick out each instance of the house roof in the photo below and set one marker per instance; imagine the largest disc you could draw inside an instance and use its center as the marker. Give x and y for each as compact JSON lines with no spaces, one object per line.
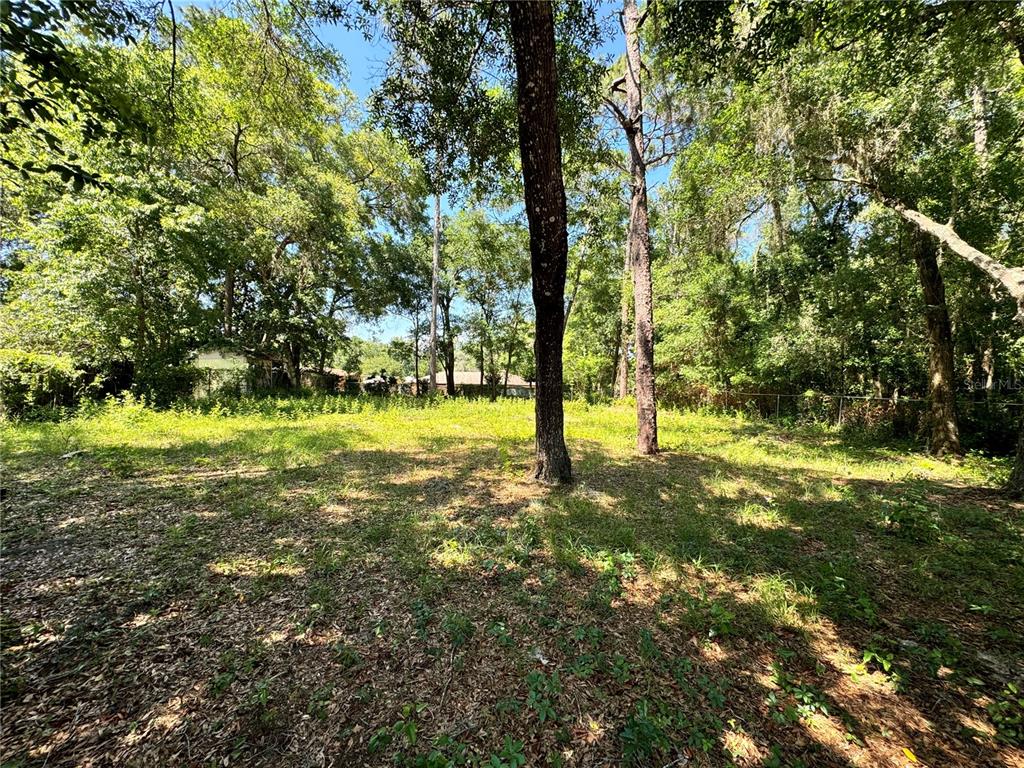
{"x":472,"y":378}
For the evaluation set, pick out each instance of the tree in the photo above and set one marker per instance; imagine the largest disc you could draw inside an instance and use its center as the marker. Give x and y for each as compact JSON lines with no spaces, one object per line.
{"x":886,"y":99}
{"x":533,"y":41}
{"x":263,"y":218}
{"x":443,"y":53}
{"x":631,"y":120}
{"x":493,"y":270}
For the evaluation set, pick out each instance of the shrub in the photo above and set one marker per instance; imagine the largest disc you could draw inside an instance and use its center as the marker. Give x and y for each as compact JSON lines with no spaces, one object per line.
{"x":31,"y":381}
{"x":163,"y":384}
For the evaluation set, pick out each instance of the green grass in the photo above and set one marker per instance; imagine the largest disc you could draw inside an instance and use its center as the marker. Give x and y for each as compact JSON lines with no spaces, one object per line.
{"x":377,"y":582}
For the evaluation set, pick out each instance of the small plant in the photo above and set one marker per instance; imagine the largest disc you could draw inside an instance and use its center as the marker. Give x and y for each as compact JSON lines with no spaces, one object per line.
{"x":542,"y":690}
{"x":404,"y":728}
{"x":422,"y":614}
{"x":318,"y":702}
{"x":648,"y":648}
{"x":499,"y":630}
{"x":643,"y":737}
{"x":909,"y":516}
{"x":510,"y":756}
{"x":1007,"y":715}
{"x":808,"y":699}
{"x":459,"y":628}
{"x":346,"y":656}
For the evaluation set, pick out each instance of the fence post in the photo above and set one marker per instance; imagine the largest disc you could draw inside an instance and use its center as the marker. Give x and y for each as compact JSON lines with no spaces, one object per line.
{"x":778,"y":404}
{"x":840,"y":410}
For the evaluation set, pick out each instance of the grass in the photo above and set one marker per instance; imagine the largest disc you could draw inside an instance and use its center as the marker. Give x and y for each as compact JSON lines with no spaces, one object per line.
{"x":274,"y":583}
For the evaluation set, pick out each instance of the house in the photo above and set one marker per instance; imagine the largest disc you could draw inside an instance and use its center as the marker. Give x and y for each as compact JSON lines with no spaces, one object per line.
{"x":468,"y":383}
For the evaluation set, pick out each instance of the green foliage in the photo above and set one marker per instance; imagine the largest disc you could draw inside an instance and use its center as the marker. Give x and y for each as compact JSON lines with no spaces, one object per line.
{"x":644,"y":736}
{"x":31,"y":382}
{"x":542,"y":692}
{"x":1007,"y":714}
{"x":270,"y":213}
{"x":510,"y":756}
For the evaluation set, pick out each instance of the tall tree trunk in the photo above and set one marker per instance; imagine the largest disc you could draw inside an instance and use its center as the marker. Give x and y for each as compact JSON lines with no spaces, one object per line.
{"x":640,"y":238}
{"x":622,"y":371}
{"x":540,"y":149}
{"x":945,"y":433}
{"x":434,"y":270}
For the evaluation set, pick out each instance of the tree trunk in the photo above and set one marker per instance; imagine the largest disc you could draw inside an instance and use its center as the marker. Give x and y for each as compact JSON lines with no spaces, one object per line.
{"x":622,"y":371}
{"x":229,"y":302}
{"x":945,"y":434}
{"x":980,"y":128}
{"x":988,"y":368}
{"x":416,"y":353}
{"x":435,"y":268}
{"x":1015,"y":487}
{"x":533,"y":42}
{"x":293,"y":360}
{"x":640,"y":239}
{"x":449,"y":344}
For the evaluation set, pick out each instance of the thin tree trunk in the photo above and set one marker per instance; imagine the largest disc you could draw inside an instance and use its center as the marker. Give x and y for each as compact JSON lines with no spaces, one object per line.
{"x":980,"y":128}
{"x":533,"y":42}
{"x":945,"y":433}
{"x":434,"y":270}
{"x":640,"y":240}
{"x":988,"y":367}
{"x":229,"y":302}
{"x":416,"y":353}
{"x":622,"y":372}
{"x":293,"y":360}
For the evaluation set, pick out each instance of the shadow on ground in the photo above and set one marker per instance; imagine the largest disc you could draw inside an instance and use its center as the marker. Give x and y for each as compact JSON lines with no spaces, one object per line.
{"x":298,"y":597}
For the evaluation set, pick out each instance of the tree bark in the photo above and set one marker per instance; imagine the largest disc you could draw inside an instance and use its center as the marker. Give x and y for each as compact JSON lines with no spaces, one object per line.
{"x":229,"y":302}
{"x":1015,"y":486}
{"x":945,"y":432}
{"x":640,"y":239}
{"x":445,"y":306}
{"x":293,"y":360}
{"x":435,"y":268}
{"x":416,"y":353}
{"x":980,"y":128}
{"x":622,"y":370}
{"x":533,"y":42}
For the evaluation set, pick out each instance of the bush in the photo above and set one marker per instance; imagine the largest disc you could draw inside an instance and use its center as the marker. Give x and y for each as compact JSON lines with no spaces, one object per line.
{"x":163,"y":384}
{"x":31,"y":382}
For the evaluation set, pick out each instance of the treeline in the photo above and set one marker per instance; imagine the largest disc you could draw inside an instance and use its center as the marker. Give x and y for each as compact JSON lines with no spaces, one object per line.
{"x":821,"y":196}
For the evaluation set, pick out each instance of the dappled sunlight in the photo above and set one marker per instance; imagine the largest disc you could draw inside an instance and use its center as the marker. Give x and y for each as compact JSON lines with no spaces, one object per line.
{"x":389,"y":575}
{"x":248,"y":566}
